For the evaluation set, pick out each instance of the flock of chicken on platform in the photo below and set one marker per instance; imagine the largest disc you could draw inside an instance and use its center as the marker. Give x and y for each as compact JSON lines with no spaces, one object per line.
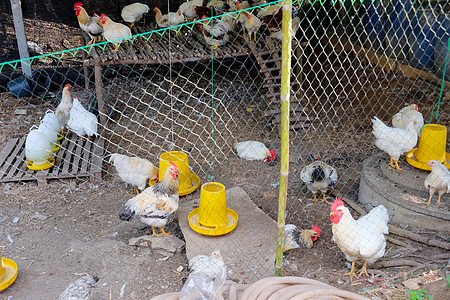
{"x":362,"y":239}
{"x":216,"y":31}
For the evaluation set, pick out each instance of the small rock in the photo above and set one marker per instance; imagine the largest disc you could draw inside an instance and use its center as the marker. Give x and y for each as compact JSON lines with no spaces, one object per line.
{"x":114,"y":234}
{"x":293,"y":267}
{"x":412,"y":284}
{"x":20,"y":111}
{"x":179,"y":269}
{"x":164,"y":258}
{"x":15,"y":220}
{"x":169,"y":246}
{"x":10,"y":239}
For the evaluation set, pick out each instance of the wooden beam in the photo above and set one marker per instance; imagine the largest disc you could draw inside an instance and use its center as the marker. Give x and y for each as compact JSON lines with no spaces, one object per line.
{"x":21,"y":37}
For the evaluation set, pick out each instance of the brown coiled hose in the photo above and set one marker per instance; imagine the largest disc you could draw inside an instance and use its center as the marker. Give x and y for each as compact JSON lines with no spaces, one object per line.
{"x":277,"y":288}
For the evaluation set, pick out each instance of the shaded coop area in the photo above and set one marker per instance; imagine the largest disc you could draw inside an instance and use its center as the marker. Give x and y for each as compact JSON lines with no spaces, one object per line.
{"x":167,"y":91}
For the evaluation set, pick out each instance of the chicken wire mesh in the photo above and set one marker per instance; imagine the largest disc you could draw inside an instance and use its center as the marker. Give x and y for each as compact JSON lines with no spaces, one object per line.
{"x":168,"y":90}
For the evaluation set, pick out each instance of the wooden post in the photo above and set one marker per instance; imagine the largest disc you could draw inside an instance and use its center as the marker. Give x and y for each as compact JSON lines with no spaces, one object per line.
{"x":85,"y":67}
{"x":21,"y":37}
{"x":98,"y":91}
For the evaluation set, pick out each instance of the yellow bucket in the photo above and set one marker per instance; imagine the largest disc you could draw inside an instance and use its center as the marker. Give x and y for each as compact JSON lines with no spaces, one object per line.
{"x":213,"y":205}
{"x":182,"y":162}
{"x":432,"y":145}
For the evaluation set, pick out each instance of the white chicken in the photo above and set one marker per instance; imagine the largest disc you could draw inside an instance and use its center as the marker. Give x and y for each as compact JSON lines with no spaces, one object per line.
{"x":394,"y":141}
{"x":406,"y":115}
{"x":64,"y":107}
{"x":114,"y":32}
{"x":438,"y":180}
{"x":187,"y":8}
{"x":254,"y":150}
{"x":269,"y":10}
{"x":299,"y":238}
{"x":318,"y":176}
{"x":133,"y":13}
{"x":207,"y":266}
{"x":156,"y":204}
{"x":168,"y":20}
{"x":134,"y":170}
{"x":80,"y":289}
{"x":360,"y":239}
{"x":81,"y":121}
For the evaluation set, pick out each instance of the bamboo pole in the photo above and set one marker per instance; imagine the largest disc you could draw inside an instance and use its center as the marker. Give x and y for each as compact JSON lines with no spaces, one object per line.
{"x":285,"y":94}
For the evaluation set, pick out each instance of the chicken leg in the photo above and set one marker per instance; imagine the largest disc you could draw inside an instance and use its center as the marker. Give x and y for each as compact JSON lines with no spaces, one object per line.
{"x":429,"y":200}
{"x":165,"y":233}
{"x":154,"y":232}
{"x":116,"y":49}
{"x":325,"y":199}
{"x":352,"y":272}
{"x":394,"y":164}
{"x":363,"y":270}
{"x":315,"y":198}
{"x":132,"y":24}
{"x":439,"y":200}
{"x":137,"y":190}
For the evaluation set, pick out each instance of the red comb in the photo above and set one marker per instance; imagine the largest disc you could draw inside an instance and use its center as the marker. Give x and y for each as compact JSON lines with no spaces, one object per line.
{"x":318,"y":158}
{"x":316,"y":229}
{"x":77,"y":4}
{"x":274,"y":155}
{"x":416,"y":108}
{"x":174,"y":165}
{"x":102,"y":16}
{"x":68,"y":85}
{"x":338,"y":202}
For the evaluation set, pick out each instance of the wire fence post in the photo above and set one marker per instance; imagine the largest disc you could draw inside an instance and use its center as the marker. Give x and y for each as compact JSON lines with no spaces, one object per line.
{"x":285,"y":94}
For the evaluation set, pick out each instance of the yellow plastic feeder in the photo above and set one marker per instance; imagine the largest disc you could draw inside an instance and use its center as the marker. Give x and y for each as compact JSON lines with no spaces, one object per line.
{"x":213,"y":217}
{"x":43,"y":166}
{"x":189,"y":181}
{"x":432,"y":145}
{"x":8,"y":272}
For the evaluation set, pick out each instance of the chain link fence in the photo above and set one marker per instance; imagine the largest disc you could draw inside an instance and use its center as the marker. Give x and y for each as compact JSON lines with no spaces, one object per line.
{"x":167,"y":89}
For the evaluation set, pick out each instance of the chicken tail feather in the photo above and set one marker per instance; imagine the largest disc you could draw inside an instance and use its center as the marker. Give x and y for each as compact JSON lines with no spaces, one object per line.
{"x":126,"y":214}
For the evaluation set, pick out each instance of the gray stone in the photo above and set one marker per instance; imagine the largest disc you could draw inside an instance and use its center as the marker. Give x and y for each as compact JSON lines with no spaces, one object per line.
{"x":248,"y":250}
{"x":163,"y":245}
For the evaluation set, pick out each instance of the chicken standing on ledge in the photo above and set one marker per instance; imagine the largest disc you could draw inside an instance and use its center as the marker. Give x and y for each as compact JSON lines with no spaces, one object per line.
{"x":156,"y":204}
{"x":359,"y":239}
{"x":438,"y":180}
{"x":87,"y":23}
{"x":134,"y":170}
{"x":296,"y":238}
{"x":133,"y":13}
{"x":318,"y":176}
{"x":168,"y":20}
{"x":394,"y":141}
{"x":114,"y":32}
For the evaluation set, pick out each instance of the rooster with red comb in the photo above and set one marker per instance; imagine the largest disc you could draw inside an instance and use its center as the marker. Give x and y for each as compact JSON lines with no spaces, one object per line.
{"x":88,"y":24}
{"x":359,"y":239}
{"x":156,"y":204}
{"x":299,"y":238}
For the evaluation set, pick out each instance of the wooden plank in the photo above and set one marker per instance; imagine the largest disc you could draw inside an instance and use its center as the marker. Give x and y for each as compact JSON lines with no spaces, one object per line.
{"x":10,"y":160}
{"x":68,"y":156}
{"x":21,"y":37}
{"x":59,"y":157}
{"x":87,"y":152}
{"x":97,"y":158}
{"x":5,"y":153}
{"x":77,"y":156}
{"x":16,"y":170}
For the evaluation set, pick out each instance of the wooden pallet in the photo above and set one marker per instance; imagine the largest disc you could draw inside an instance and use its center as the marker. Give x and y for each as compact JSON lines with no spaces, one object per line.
{"x":77,"y":157}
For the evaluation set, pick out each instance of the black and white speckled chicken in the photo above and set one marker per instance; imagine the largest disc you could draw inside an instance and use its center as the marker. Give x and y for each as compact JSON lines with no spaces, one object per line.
{"x":80,"y":289}
{"x":318,"y":176}
{"x":299,"y":238}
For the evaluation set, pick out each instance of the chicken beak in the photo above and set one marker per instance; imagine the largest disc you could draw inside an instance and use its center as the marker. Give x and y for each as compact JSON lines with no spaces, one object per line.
{"x":332,"y":213}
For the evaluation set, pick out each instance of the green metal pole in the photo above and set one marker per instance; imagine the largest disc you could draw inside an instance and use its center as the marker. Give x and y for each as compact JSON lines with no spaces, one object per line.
{"x":285,"y":94}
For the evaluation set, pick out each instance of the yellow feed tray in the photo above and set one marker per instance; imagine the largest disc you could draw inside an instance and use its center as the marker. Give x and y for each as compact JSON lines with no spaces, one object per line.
{"x":47,"y":165}
{"x":231,"y":224}
{"x":195,"y":183}
{"x":56,"y":147}
{"x":9,"y":275}
{"x":412,"y":160}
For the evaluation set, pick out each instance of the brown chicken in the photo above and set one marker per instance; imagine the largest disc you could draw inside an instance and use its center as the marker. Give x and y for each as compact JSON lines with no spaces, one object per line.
{"x":156,"y":204}
{"x":205,"y":10}
{"x":249,"y":21}
{"x":88,"y":24}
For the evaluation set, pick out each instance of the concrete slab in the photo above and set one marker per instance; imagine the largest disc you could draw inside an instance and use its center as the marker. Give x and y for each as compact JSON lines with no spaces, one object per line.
{"x":249,"y":250}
